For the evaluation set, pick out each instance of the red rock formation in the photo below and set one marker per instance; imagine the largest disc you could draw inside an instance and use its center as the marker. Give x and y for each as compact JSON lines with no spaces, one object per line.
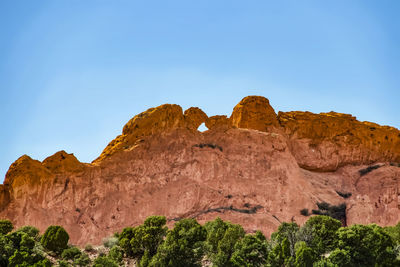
{"x":254,"y":168}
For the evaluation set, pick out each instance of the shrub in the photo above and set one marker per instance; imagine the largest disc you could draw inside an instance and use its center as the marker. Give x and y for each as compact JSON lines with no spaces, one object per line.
{"x":116,"y":253}
{"x":305,"y":212}
{"x":71,"y":253}
{"x":6,"y":226}
{"x":55,"y":238}
{"x":109,"y":242}
{"x":343,"y":195}
{"x":369,"y":169}
{"x":82,"y":260}
{"x":88,"y":248}
{"x":63,"y":263}
{"x":182,"y":246}
{"x":30,"y":230}
{"x":336,"y":212}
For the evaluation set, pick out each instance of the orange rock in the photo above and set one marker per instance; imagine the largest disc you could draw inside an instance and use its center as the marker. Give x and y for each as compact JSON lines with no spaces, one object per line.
{"x":327,"y":141}
{"x":218,"y":122}
{"x":152,"y":121}
{"x":63,"y":162}
{"x":194,"y":117}
{"x":254,"y":112}
{"x":255,"y":172}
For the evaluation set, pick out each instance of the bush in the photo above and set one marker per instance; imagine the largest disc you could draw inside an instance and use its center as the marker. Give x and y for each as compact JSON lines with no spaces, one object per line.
{"x":109,"y":242}
{"x":62,"y":263}
{"x":182,"y":246}
{"x":88,"y":248}
{"x":368,"y":169}
{"x":71,"y":253}
{"x":343,"y":195}
{"x":116,"y":253}
{"x":82,"y":260}
{"x":30,"y":230}
{"x":305,"y":212}
{"x":55,"y":239}
{"x":336,"y":212}
{"x":6,"y":226}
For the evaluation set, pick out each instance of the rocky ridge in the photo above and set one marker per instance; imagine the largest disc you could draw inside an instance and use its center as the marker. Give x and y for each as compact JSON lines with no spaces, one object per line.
{"x":256,"y":168}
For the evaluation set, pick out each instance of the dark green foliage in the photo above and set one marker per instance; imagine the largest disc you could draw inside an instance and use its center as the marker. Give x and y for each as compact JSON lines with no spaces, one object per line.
{"x":55,"y":238}
{"x":250,"y":251}
{"x":71,"y":253}
{"x":394,"y":232}
{"x":82,"y":260}
{"x":324,"y":263}
{"x":116,"y":253}
{"x":221,"y":239}
{"x":367,"y":245}
{"x":183,"y":246}
{"x":287,"y":231}
{"x":369,"y":169}
{"x":336,"y":212}
{"x":135,"y":241}
{"x":340,"y":257}
{"x":226,"y":245}
{"x":30,"y":231}
{"x":63,"y":263}
{"x":305,"y":212}
{"x":104,"y":261}
{"x":6,"y":226}
{"x":323,"y":233}
{"x":305,"y":256}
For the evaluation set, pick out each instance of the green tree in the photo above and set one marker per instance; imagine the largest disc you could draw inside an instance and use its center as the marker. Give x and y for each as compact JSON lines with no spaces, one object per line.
{"x":340,"y":257}
{"x":323,"y":233}
{"x":147,"y":237}
{"x":305,"y":256}
{"x":232,"y":235}
{"x":279,"y":254}
{"x":116,"y":253}
{"x":288,"y":231}
{"x":252,"y":250}
{"x":183,"y":246}
{"x":104,"y":261}
{"x":324,"y":263}
{"x":367,"y":245}
{"x":394,"y":232}
{"x":55,"y":238}
{"x":30,"y":231}
{"x":6,"y":226}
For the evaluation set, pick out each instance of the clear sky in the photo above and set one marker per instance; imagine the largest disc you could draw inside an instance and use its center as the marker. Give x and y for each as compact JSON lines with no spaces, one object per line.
{"x":73,"y":72}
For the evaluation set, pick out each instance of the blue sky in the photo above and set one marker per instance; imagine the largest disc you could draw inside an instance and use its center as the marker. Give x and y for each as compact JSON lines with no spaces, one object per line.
{"x":73,"y":72}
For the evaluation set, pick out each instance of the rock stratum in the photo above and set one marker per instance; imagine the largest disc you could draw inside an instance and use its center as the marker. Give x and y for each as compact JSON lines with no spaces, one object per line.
{"x":256,"y":168}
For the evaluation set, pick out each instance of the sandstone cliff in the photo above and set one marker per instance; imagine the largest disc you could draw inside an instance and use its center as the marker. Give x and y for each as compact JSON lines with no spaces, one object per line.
{"x":255,"y":168}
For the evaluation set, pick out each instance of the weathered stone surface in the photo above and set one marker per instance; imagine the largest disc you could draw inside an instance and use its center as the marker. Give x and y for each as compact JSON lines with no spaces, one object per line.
{"x":218,"y":122}
{"x":257,"y":176}
{"x":326,"y":141}
{"x":63,"y":162}
{"x":254,"y":112}
{"x":194,"y":117}
{"x":152,"y":121}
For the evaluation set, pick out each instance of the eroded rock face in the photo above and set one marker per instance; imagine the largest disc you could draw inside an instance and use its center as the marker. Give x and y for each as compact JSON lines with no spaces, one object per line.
{"x":254,"y":112}
{"x":254,"y":168}
{"x":194,"y":117}
{"x":218,"y":122}
{"x":326,"y":141}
